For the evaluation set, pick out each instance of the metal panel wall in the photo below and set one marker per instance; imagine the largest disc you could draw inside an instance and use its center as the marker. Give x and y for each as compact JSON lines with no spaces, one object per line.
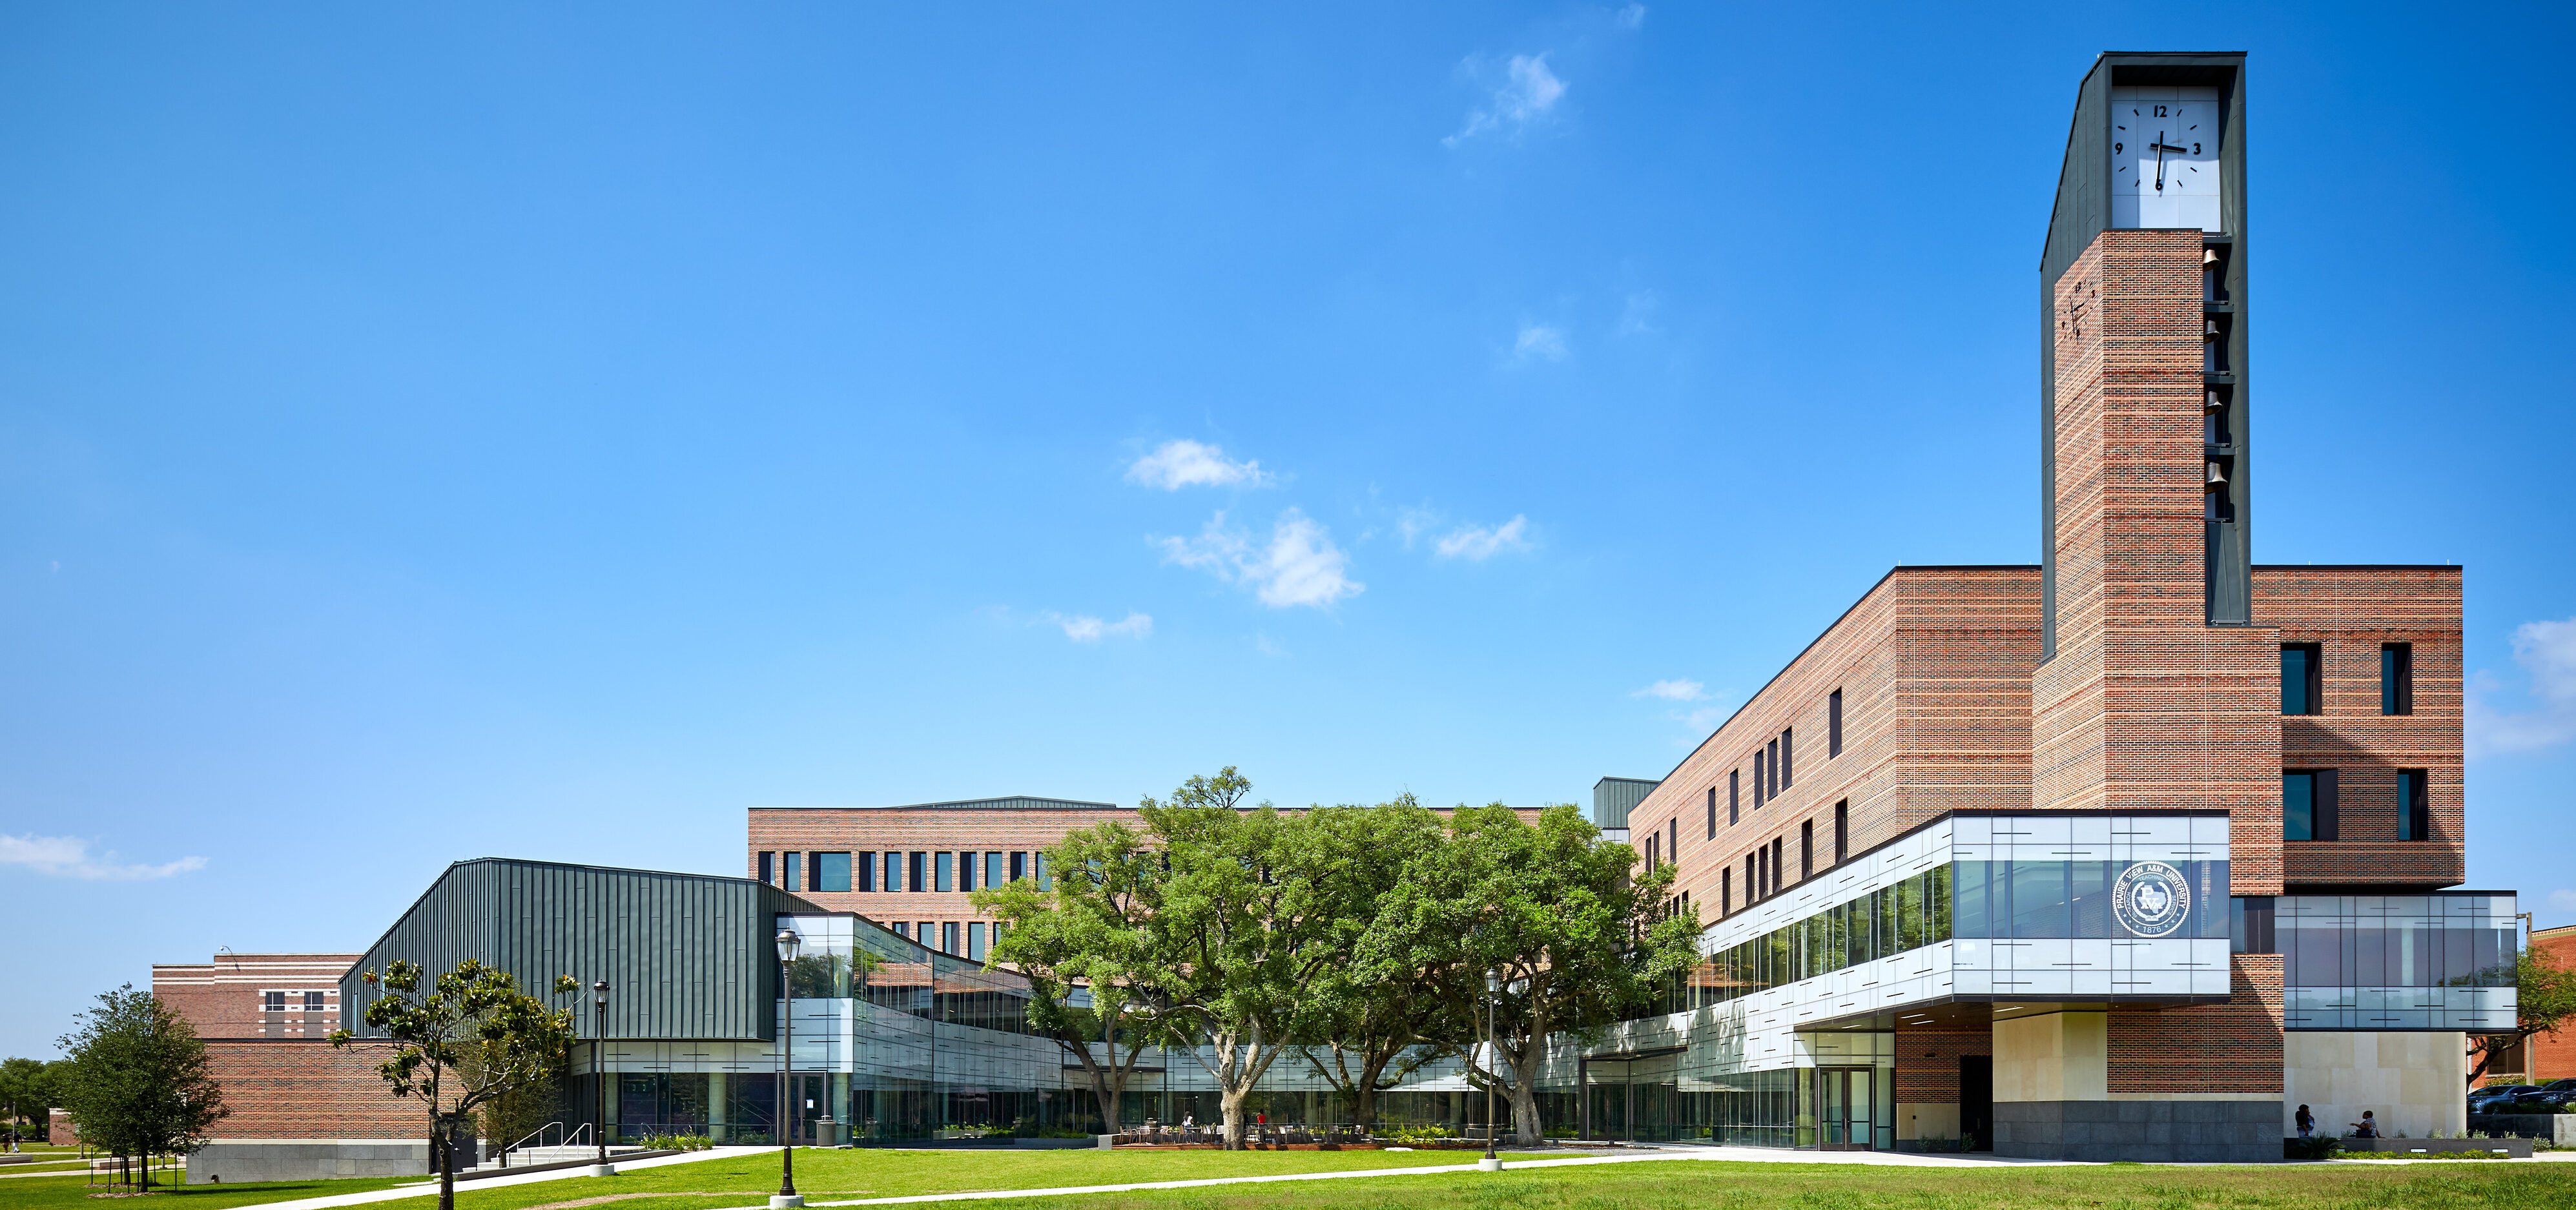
{"x":685,"y":955}
{"x":1614,"y":797}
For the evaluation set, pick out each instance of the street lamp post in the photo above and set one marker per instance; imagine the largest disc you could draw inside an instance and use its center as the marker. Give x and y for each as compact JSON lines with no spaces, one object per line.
{"x":599,"y":1081}
{"x":1493,"y":992}
{"x":787,"y":1196}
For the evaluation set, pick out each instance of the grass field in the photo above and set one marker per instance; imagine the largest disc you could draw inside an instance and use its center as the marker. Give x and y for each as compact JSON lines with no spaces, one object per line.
{"x":1672,"y":1185}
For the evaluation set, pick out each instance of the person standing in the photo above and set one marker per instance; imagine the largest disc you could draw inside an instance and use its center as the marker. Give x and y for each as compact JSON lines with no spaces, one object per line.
{"x":2307,"y":1122}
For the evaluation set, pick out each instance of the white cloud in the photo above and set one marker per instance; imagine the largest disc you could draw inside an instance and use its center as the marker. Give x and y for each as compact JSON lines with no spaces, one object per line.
{"x":1478,"y":543}
{"x":69,"y":857}
{"x":1529,"y":90}
{"x":2547,"y":653}
{"x":1178,"y":464}
{"x":1674,"y":691}
{"x":1630,"y":17}
{"x":1706,"y":718}
{"x":1082,"y":628}
{"x":1299,"y":565}
{"x":1538,"y":342}
{"x":2564,"y":901}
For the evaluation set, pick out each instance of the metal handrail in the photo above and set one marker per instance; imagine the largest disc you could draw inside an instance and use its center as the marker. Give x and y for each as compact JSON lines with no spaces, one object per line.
{"x":568,"y":1140}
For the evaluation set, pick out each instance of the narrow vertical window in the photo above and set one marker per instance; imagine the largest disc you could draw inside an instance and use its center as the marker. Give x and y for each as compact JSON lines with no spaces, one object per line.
{"x":1773,"y":789}
{"x":791,"y":871}
{"x":2298,"y":805}
{"x":867,"y":868}
{"x":894,"y":871}
{"x":1650,"y":852}
{"x":1779,"y":872}
{"x":1712,"y":813}
{"x":943,"y":872}
{"x":1673,"y":841}
{"x":768,"y":868}
{"x":2397,"y":678}
{"x":914,"y":863}
{"x":1788,"y":762}
{"x":1019,"y":865}
{"x":1842,"y":831}
{"x":1734,"y":796}
{"x":975,"y":940}
{"x":1757,"y":779}
{"x":1038,"y":870}
{"x":966,"y":870}
{"x":2414,"y":806}
{"x":993,"y":875}
{"x":1806,"y":849}
{"x":2302,"y":681}
{"x":948,"y":937}
{"x":1762,"y":872}
{"x":1726,"y":891}
{"x":1834,"y":724}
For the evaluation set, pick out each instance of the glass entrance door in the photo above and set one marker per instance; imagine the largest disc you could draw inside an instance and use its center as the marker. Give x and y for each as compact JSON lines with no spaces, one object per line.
{"x":1843,"y":1100}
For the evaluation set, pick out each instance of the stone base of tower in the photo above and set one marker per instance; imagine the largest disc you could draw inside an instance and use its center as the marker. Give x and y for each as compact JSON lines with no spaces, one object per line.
{"x":2069,"y":1086}
{"x":2142,"y":1130}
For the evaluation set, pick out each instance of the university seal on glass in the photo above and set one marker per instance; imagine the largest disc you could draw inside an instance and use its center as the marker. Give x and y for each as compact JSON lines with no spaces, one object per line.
{"x":2151,"y":899}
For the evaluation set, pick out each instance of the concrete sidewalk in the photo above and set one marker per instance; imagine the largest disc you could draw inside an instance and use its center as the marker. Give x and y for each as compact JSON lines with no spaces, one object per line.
{"x":430,"y":1187}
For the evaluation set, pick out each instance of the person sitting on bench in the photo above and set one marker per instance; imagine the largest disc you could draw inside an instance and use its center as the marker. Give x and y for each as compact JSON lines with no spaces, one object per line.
{"x":2366,"y":1128}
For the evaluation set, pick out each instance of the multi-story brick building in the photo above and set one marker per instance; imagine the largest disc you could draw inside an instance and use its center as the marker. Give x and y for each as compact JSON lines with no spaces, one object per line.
{"x":2182,"y":823}
{"x":267,"y":1021}
{"x":913,"y":869}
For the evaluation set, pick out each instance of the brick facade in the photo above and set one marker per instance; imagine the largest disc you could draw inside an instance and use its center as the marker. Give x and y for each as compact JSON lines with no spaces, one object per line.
{"x":2144,"y":707}
{"x":280,"y":1076}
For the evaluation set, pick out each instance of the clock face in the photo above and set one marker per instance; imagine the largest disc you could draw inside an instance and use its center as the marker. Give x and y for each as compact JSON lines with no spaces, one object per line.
{"x":2164,"y":157}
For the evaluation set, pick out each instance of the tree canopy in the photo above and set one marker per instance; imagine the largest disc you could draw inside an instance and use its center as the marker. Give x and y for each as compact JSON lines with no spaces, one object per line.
{"x":471,"y":1040}
{"x":2544,"y":999}
{"x":1356,"y":939}
{"x":137,"y":1080}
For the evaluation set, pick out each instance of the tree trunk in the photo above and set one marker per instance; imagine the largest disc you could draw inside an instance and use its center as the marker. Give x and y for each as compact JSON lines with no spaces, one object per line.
{"x":446,"y":1160}
{"x":1232,"y":1101}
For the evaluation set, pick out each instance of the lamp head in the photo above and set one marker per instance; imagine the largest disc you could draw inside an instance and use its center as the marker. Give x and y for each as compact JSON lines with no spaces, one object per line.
{"x":599,"y":993}
{"x":787,"y":940}
{"x":1493,"y":982}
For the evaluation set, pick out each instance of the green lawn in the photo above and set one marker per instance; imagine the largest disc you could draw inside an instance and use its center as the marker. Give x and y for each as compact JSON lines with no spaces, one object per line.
{"x":72,"y":1193}
{"x":1670,"y":1185}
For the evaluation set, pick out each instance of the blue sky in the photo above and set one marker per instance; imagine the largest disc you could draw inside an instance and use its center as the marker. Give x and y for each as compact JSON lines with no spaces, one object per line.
{"x":547,"y":433}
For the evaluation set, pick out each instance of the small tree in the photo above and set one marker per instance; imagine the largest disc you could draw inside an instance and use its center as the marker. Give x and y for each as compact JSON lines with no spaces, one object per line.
{"x":2544,"y":998}
{"x":139,"y":1082}
{"x":472,"y":1040}
{"x":1078,"y":946}
{"x":26,"y":1093}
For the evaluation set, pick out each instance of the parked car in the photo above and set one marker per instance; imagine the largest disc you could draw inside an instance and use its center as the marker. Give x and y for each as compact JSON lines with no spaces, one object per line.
{"x":2490,"y":1098}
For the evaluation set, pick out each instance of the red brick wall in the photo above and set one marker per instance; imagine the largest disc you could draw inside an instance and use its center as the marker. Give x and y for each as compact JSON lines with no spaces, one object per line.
{"x":1934,"y":667}
{"x":2231,"y":1047}
{"x":294,"y":1089}
{"x":2553,"y":1056}
{"x":2348,"y":612}
{"x":222,"y":998}
{"x":1927,"y":1060}
{"x":2146,"y":707}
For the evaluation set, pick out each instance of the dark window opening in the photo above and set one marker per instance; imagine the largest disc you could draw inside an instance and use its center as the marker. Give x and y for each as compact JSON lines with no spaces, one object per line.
{"x":2414,"y":805}
{"x":1773,"y":750}
{"x":1806,"y":849}
{"x":1712,"y":813}
{"x":2308,"y":804}
{"x":1757,"y":779}
{"x":1842,"y":831}
{"x":791,"y":871}
{"x":2397,"y":678}
{"x":1734,"y":796}
{"x":313,"y":1002}
{"x":769,"y":868}
{"x":1788,"y":759}
{"x":1673,"y":843}
{"x":1726,"y":890}
{"x":867,"y":868}
{"x":831,"y":871}
{"x":2249,"y":925}
{"x":1834,"y":724}
{"x":2302,"y":679}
